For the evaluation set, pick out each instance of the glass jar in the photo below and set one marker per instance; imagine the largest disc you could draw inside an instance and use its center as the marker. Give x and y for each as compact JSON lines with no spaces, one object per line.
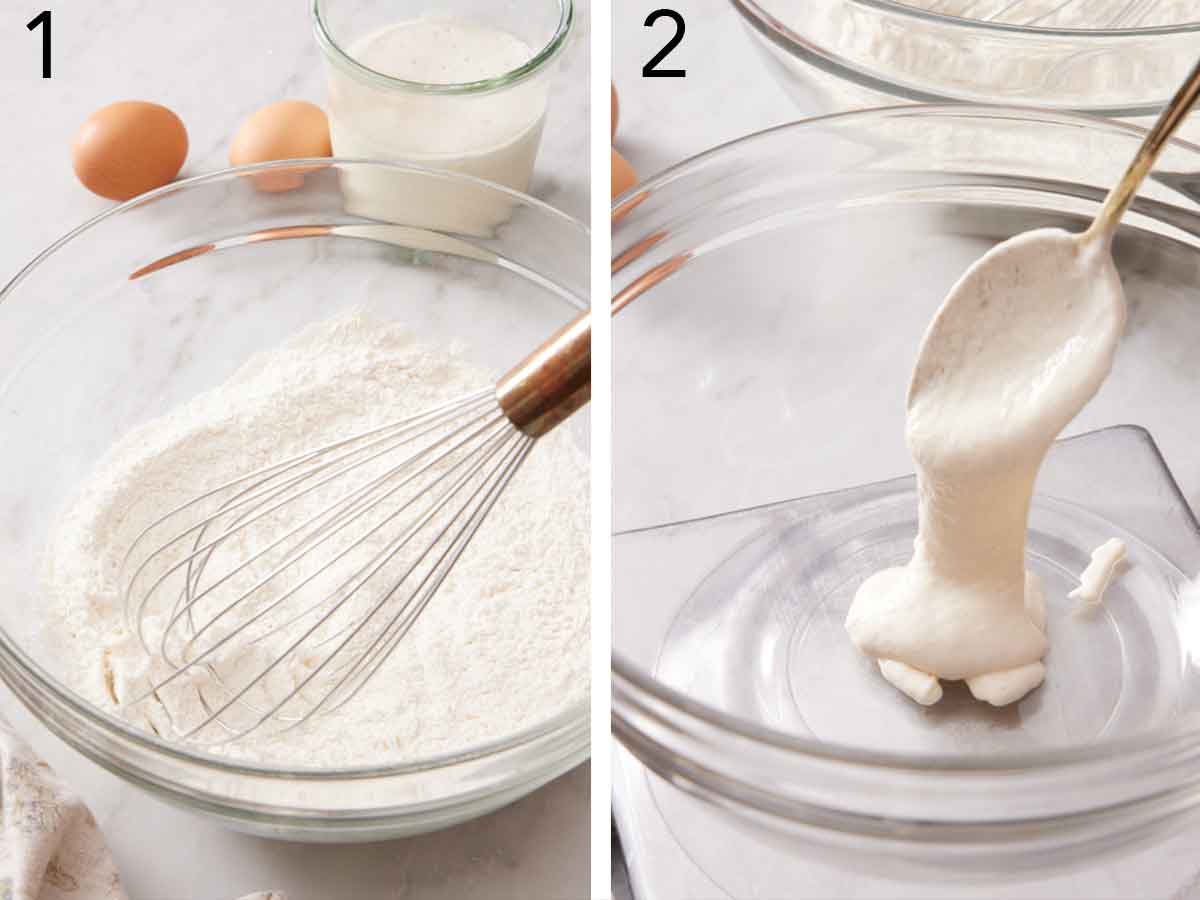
{"x":462,"y":88}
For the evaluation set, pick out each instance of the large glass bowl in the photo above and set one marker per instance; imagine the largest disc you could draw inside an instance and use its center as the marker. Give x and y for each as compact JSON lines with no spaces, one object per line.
{"x":775,"y":292}
{"x":838,"y":55}
{"x":166,"y":296}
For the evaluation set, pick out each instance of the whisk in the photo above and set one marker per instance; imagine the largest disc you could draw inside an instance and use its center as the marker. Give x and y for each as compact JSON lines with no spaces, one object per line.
{"x":277,"y":595}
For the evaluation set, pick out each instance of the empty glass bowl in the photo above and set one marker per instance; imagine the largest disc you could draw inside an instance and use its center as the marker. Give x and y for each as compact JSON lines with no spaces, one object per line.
{"x":165,"y":297}
{"x":777,"y":289}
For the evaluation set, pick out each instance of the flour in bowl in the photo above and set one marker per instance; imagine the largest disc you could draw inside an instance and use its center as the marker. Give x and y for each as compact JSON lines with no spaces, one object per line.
{"x":1086,"y":14}
{"x":502,"y":647}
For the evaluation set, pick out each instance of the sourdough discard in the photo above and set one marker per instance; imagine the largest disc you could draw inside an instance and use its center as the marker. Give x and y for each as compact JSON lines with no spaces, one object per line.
{"x":1023,"y":342}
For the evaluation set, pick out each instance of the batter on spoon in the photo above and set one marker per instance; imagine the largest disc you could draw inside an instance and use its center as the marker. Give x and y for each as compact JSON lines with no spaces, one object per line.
{"x":1021,"y":344}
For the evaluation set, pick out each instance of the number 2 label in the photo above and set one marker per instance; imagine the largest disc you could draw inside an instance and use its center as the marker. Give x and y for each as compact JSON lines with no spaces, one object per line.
{"x":650,"y":69}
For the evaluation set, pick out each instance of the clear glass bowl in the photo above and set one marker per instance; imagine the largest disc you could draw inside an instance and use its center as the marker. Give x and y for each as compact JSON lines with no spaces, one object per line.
{"x":226,"y":270}
{"x":776,"y":291}
{"x":838,"y":55}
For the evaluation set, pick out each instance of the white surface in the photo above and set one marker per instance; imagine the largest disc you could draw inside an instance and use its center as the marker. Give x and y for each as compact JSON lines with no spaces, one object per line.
{"x":727,"y":94}
{"x":214,"y":65}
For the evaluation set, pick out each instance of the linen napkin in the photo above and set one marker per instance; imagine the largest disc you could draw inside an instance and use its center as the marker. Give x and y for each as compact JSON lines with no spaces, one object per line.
{"x":50,"y":845}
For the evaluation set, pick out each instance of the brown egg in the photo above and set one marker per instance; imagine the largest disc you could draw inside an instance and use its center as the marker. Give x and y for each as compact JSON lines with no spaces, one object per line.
{"x":289,"y":129}
{"x":623,"y":176}
{"x":616,"y":112}
{"x":128,"y":148}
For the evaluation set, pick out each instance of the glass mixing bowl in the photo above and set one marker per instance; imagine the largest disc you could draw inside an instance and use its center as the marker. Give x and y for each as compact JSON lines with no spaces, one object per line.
{"x":166,"y":296}
{"x":776,"y":290}
{"x":837,"y":55}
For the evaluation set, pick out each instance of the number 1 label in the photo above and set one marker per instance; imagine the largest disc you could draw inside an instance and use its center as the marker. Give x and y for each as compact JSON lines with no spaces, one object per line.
{"x":42,"y":20}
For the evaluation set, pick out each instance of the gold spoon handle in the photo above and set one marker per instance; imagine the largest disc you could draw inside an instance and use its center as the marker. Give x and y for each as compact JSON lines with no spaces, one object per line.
{"x":1119,"y":198}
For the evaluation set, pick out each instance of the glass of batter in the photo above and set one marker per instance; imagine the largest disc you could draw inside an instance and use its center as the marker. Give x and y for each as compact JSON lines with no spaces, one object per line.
{"x":460,"y":86}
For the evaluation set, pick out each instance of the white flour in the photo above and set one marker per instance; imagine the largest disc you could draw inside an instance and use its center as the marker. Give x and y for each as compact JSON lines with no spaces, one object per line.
{"x":1070,"y":13}
{"x":504,"y":644}
{"x":972,"y":64}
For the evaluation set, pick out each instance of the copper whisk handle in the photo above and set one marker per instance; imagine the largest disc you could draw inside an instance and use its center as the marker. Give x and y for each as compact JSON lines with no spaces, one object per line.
{"x":551,"y":382}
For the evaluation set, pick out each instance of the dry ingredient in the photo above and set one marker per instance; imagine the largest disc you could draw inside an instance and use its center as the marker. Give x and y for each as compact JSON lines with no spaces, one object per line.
{"x":1069,"y":13}
{"x":503,"y":646}
{"x":965,"y":60}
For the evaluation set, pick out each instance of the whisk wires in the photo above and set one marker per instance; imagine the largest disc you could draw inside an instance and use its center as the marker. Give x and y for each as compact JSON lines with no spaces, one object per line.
{"x":288,"y":589}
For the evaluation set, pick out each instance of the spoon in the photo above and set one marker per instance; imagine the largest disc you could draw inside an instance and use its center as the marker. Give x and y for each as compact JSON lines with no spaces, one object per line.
{"x":967,"y":323}
{"x":1019,"y":346}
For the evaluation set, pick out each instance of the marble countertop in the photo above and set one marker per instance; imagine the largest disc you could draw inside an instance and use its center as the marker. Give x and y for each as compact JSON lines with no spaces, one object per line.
{"x":664,"y":121}
{"x":213,"y":68}
{"x":726,"y":93}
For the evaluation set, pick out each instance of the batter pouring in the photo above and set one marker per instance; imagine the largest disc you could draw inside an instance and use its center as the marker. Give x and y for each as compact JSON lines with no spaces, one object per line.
{"x":1021,"y":344}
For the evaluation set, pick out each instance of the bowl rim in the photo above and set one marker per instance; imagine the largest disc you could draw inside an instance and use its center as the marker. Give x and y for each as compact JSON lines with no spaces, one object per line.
{"x":834,"y":62}
{"x":896,"y":7}
{"x":561,"y":723}
{"x":683,"y":711}
{"x":546,"y":54}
